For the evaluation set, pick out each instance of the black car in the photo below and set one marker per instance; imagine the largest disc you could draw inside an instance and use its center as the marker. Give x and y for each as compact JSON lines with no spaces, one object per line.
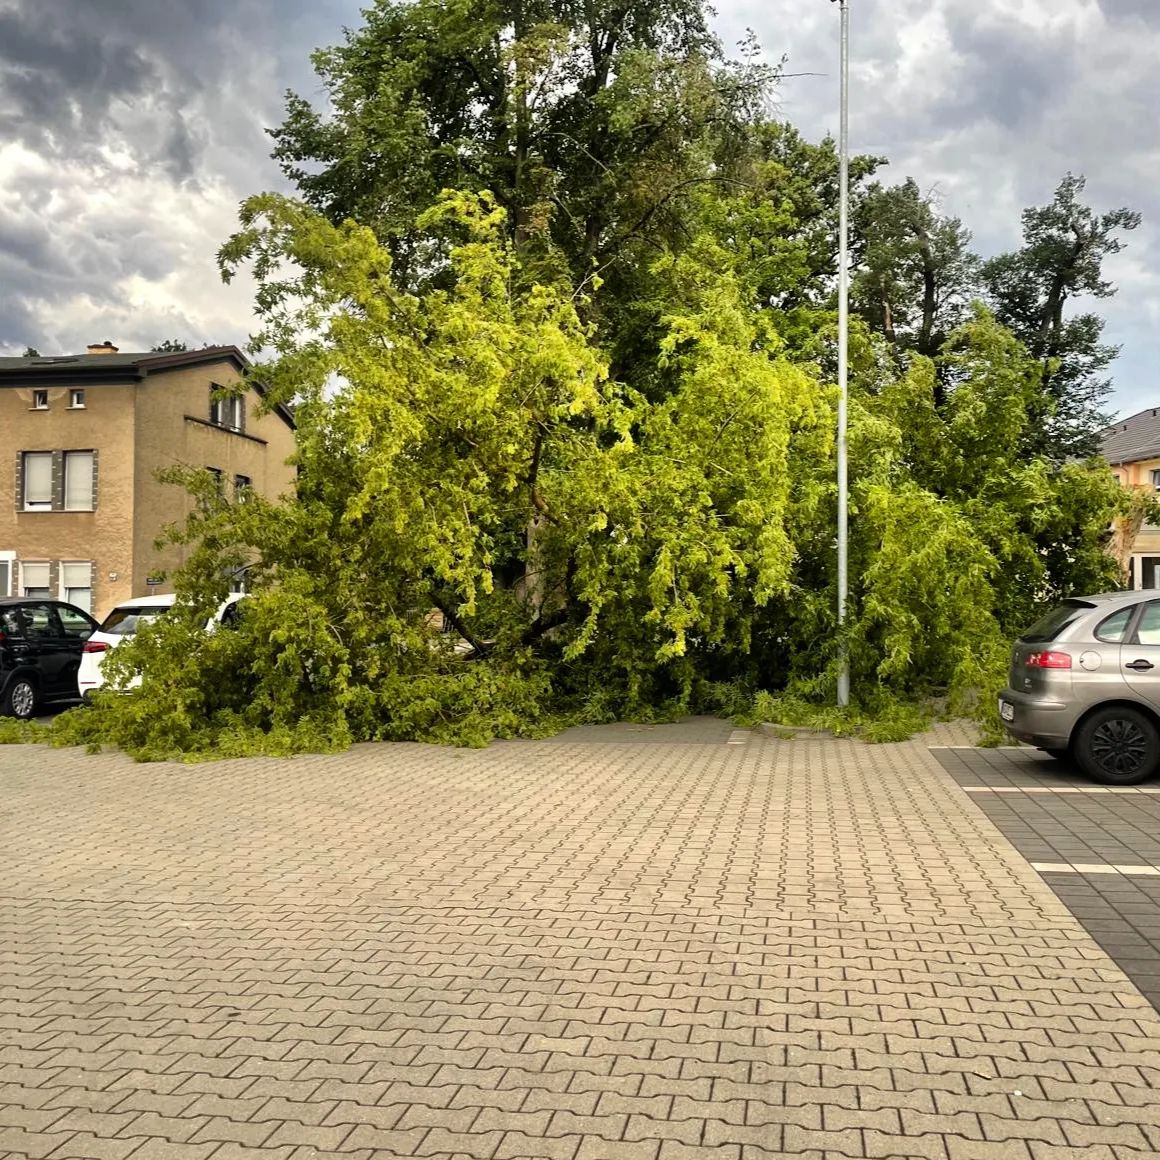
{"x":41,"y":642}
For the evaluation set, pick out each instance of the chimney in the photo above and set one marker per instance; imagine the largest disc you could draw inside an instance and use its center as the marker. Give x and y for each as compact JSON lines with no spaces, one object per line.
{"x":105,"y":347}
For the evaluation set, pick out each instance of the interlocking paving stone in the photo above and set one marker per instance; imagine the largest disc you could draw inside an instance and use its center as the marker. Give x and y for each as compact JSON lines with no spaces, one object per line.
{"x":1094,"y":845}
{"x":623,"y":943}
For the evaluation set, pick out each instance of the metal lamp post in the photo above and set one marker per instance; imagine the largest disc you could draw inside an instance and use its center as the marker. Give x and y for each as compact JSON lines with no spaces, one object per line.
{"x":843,"y":349}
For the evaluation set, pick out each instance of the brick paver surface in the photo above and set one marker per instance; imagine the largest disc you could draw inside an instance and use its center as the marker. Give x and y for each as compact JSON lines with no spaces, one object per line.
{"x":695,"y":944}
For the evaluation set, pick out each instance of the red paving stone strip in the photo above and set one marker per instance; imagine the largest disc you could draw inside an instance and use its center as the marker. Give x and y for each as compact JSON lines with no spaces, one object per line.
{"x":619,"y":945}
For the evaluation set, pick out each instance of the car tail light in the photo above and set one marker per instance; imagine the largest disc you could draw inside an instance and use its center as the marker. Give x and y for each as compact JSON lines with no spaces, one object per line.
{"x":96,"y":646}
{"x":1049,"y":660}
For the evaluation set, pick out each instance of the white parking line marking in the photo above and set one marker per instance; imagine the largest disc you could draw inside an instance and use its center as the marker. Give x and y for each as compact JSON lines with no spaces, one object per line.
{"x":1060,"y":789}
{"x":1092,"y":868}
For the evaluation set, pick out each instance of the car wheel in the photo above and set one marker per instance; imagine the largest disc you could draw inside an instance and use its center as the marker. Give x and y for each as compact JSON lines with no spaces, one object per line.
{"x":1058,"y":754}
{"x":20,"y":699}
{"x":1118,"y":746}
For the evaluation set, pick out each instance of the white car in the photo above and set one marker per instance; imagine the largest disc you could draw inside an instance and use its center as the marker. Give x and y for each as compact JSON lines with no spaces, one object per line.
{"x":122,"y":622}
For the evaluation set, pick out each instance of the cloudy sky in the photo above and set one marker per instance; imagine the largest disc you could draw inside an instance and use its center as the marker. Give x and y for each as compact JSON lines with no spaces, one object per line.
{"x":131,"y":129}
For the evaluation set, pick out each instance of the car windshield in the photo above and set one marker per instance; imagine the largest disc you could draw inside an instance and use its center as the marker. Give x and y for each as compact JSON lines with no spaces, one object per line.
{"x":1052,"y":625}
{"x":124,"y":621}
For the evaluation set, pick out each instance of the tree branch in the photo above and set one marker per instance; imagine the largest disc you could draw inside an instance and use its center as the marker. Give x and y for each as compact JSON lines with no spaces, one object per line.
{"x":457,"y":623}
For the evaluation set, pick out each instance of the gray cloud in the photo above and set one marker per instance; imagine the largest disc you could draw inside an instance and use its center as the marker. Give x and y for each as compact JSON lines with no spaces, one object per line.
{"x":142,"y":124}
{"x":989,"y":104}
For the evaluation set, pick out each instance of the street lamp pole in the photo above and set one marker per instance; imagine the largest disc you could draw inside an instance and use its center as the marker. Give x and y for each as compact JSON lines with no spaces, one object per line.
{"x":843,"y":352}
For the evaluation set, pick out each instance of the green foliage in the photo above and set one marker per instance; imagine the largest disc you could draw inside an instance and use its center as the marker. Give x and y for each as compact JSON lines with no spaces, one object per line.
{"x":555,"y":313}
{"x":882,"y":720}
{"x":1065,"y":245}
{"x":13,"y":732}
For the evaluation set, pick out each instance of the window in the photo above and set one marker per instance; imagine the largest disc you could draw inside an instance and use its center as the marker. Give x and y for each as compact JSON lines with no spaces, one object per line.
{"x":76,"y":399}
{"x":40,"y":400}
{"x":78,"y":481}
{"x":76,"y":584}
{"x":35,"y":580}
{"x":228,"y":410}
{"x":38,"y":481}
{"x":216,"y":472}
{"x":1112,"y":630}
{"x":1053,"y":624}
{"x":71,"y":621}
{"x":125,"y":621}
{"x":235,"y":413}
{"x":40,"y":620}
{"x":242,"y":484}
{"x":1148,"y":630}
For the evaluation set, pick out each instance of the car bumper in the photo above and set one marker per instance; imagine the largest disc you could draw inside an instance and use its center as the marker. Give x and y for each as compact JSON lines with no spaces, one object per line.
{"x":1037,"y":720}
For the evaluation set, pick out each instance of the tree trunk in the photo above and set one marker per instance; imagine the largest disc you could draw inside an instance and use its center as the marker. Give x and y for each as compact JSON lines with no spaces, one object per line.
{"x":1125,"y":529}
{"x":929,"y":296}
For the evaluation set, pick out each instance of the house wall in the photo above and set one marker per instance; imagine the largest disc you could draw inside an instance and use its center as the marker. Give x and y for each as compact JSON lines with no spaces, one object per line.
{"x":135,"y":430}
{"x":104,"y":536}
{"x":173,"y":430}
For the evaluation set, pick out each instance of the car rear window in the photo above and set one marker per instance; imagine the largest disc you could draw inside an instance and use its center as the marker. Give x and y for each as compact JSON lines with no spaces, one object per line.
{"x":124,"y":621}
{"x":1050,"y":626}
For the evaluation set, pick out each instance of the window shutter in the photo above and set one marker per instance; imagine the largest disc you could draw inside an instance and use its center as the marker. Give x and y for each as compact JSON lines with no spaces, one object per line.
{"x":38,"y":478}
{"x":78,"y":481}
{"x":35,"y":576}
{"x":4,"y":578}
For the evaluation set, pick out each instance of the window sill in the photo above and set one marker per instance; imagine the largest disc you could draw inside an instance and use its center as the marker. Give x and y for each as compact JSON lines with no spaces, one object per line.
{"x":73,"y":407}
{"x":225,"y":430}
{"x":55,"y":511}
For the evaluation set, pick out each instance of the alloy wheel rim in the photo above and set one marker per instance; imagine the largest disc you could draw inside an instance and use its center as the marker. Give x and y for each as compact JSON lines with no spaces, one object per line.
{"x":22,"y":699}
{"x":1119,"y":746}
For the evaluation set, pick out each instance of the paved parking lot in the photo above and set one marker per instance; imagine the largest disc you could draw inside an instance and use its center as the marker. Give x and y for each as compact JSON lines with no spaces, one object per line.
{"x":624,"y":943}
{"x":1097,"y":847}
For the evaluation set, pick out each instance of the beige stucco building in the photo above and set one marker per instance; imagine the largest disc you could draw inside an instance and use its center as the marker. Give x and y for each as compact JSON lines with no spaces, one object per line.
{"x":84,"y":437}
{"x":1132,"y":447}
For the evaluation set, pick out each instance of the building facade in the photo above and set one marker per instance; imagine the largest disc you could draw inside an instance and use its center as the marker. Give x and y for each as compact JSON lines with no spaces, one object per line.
{"x":1132,"y":447}
{"x":85,"y":436}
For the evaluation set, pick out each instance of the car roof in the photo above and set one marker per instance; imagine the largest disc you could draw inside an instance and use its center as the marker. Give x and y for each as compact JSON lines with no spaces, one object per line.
{"x":9,"y":601}
{"x":164,"y":601}
{"x":1124,"y":596}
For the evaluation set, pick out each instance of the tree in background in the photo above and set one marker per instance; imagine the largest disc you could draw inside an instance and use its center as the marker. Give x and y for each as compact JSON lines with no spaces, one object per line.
{"x":1065,"y":245}
{"x":31,"y":352}
{"x":593,"y":125}
{"x":915,"y":274}
{"x":170,"y":346}
{"x":556,"y":310}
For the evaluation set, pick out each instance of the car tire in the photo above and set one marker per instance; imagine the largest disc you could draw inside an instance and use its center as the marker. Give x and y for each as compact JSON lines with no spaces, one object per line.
{"x":1059,"y":754}
{"x":1118,"y":745}
{"x":19,"y":700}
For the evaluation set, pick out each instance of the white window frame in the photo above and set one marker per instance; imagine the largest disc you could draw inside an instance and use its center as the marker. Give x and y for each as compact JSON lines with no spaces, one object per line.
{"x":9,"y":558}
{"x":66,"y":458}
{"x":39,"y":399}
{"x":38,"y":505}
{"x":76,"y":399}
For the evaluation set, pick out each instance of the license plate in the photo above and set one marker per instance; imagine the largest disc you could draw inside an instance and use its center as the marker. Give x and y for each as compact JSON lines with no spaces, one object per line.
{"x":1006,"y":710}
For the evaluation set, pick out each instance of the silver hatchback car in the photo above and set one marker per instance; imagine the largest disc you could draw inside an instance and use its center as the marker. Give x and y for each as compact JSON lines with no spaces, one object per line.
{"x":1085,"y":683}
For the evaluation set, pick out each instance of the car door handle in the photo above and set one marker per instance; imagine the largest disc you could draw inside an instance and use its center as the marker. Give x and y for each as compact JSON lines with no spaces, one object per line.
{"x":1140,"y":666}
